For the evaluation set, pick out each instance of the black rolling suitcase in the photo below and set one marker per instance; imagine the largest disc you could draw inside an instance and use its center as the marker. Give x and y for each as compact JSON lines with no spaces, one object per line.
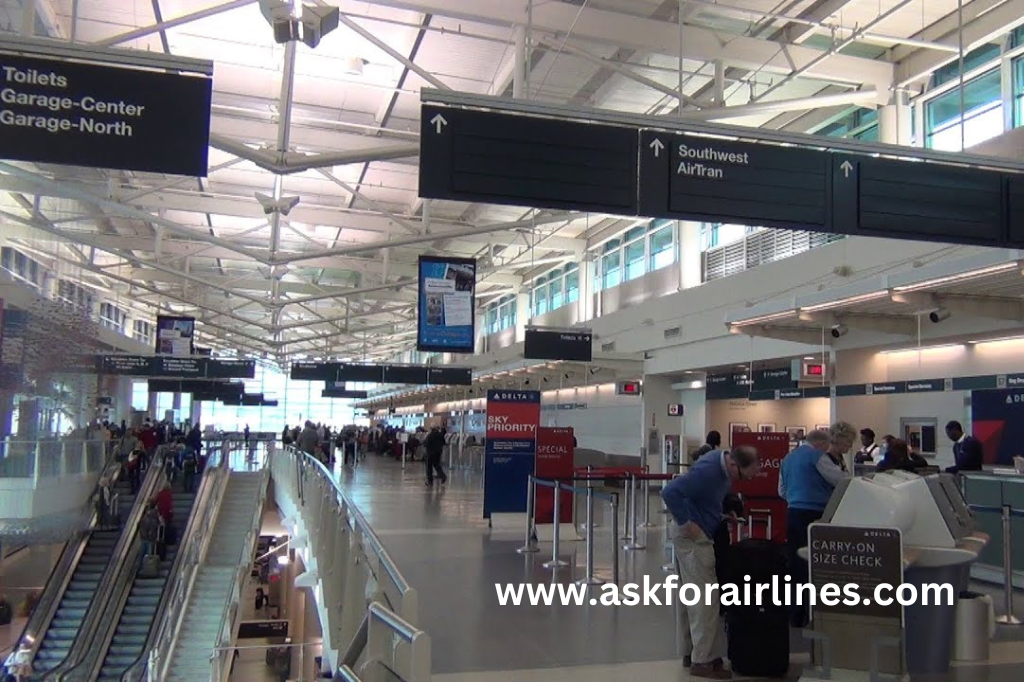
{"x":758,"y":636}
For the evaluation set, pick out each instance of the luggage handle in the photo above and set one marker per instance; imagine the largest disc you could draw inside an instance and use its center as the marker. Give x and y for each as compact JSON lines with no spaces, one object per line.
{"x":767,"y":521}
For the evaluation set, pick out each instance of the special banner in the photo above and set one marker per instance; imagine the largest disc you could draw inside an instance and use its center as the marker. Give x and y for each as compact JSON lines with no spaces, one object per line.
{"x":509,"y":458}
{"x":446,"y":321}
{"x":554,"y":460}
{"x":764,"y":507}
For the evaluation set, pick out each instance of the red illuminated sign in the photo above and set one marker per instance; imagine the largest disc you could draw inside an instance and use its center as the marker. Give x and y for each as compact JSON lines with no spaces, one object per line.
{"x":814,"y":370}
{"x":629,"y":388}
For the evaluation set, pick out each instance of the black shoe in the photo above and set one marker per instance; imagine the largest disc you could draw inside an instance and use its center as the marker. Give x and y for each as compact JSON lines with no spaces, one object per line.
{"x":687,"y":661}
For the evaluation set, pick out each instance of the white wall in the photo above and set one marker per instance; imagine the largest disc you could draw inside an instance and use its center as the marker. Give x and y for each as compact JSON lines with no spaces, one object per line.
{"x":610,"y":423}
{"x":782,"y":413}
{"x":883,"y":413}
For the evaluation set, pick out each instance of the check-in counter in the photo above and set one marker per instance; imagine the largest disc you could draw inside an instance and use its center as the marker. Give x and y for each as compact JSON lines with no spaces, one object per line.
{"x":987,"y":492}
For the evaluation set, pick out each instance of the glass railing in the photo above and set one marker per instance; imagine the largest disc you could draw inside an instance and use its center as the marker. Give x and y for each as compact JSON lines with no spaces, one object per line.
{"x":378,"y":608}
{"x":42,"y":459}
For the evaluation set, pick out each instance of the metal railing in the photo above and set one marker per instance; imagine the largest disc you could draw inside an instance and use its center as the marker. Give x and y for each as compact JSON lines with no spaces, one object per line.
{"x":193,"y":541}
{"x":219,"y":661}
{"x":43,"y":459}
{"x":375,"y":624}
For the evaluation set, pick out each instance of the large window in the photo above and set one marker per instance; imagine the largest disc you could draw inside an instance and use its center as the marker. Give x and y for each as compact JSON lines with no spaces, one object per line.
{"x":556,"y":289}
{"x":501,"y":314}
{"x":982,"y":119}
{"x":713,"y":235}
{"x":1018,"y":92}
{"x":861,"y":124}
{"x":637,"y":252}
{"x":112,"y":317}
{"x":297,"y":402}
{"x":74,"y":295}
{"x":21,"y":266}
{"x":142,"y":331}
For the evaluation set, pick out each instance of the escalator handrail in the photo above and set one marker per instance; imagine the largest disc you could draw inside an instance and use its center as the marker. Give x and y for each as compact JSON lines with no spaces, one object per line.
{"x":179,"y":581}
{"x":89,"y":665}
{"x":112,"y":571}
{"x":60,"y":577}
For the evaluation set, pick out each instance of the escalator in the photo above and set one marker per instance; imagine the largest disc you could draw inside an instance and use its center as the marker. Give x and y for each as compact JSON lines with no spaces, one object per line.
{"x":85,"y":581}
{"x":144,"y":597}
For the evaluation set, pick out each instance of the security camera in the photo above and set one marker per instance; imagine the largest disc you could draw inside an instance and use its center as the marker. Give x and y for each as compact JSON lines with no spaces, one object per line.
{"x":940,"y":315}
{"x":839,"y":330}
{"x":594,"y":370}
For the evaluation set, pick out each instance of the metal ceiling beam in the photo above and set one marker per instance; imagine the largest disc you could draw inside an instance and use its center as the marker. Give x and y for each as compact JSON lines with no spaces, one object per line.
{"x":288,"y":163}
{"x":866,"y":97}
{"x":624,"y":30}
{"x":41,"y":184}
{"x":425,"y":239}
{"x":984,"y":21}
{"x":393,"y":53}
{"x":137,"y":33}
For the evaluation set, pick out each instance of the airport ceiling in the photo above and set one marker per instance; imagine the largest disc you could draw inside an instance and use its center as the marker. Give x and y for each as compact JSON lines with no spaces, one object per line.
{"x":187,"y":244}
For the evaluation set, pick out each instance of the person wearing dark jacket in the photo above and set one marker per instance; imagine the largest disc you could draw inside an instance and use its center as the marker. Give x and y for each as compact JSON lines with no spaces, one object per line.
{"x":434,"y":445}
{"x":695,"y":501}
{"x":899,"y":457}
{"x":712,"y":443}
{"x":967,"y":450}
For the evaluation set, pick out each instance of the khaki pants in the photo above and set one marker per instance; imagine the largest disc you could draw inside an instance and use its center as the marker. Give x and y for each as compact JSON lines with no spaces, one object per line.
{"x":700,"y":625}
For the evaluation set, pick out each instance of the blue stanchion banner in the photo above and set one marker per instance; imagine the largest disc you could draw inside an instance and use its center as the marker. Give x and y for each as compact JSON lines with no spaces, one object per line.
{"x":513,"y":418}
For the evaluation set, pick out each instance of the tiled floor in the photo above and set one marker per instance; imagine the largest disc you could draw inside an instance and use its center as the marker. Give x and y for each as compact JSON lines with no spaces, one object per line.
{"x":445,"y":549}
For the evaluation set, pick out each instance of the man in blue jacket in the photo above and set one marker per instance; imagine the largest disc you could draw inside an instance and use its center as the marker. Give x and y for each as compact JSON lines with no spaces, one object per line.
{"x":695,"y":502}
{"x":808,"y":476}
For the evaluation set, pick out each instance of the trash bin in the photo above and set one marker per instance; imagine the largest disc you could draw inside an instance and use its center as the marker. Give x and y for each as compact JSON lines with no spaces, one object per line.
{"x":971,"y":637}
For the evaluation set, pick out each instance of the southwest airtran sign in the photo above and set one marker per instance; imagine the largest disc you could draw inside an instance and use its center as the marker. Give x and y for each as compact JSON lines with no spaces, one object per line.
{"x":60,"y":108}
{"x":483,"y":149}
{"x":706,"y":162}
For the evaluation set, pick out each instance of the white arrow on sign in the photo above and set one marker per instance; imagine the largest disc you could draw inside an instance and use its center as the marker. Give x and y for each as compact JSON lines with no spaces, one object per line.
{"x":847,"y":167}
{"x":439,"y":123}
{"x":657,"y":146}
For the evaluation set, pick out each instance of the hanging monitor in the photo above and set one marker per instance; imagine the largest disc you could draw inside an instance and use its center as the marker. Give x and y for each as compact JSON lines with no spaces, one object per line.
{"x":446,"y":307}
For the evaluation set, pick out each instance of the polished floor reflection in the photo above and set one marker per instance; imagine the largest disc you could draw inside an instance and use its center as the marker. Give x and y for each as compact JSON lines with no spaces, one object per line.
{"x":447,"y":552}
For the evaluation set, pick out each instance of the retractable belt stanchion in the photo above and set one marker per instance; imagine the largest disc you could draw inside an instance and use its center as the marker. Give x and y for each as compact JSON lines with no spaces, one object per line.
{"x":530,"y":546}
{"x":631,"y":512}
{"x":590,"y":579}
{"x":615,"y":538}
{"x":627,"y":516}
{"x":1008,"y":618}
{"x":555,"y":562}
{"x":403,"y":456}
{"x":645,"y":494}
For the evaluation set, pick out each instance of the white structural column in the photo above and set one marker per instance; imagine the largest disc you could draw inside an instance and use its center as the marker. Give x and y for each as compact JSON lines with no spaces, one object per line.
{"x":519,"y":73}
{"x":690,"y":274}
{"x":895,"y":125}
{"x":522,"y":315}
{"x":586,"y":302}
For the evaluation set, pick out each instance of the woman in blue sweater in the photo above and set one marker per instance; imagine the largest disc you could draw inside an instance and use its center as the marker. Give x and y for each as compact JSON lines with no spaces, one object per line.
{"x":695,"y":502}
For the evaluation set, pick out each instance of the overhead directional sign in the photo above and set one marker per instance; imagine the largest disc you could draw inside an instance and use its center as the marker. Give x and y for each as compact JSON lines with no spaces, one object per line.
{"x":702,"y":178}
{"x":169,"y":366}
{"x":921,"y":201}
{"x":468,"y":155}
{"x":103,"y":116}
{"x":645,"y":166}
{"x":551,"y":344}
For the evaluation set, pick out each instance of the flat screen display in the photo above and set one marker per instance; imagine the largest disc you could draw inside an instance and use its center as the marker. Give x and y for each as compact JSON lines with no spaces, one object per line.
{"x":174,"y":335}
{"x":446,"y":309}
